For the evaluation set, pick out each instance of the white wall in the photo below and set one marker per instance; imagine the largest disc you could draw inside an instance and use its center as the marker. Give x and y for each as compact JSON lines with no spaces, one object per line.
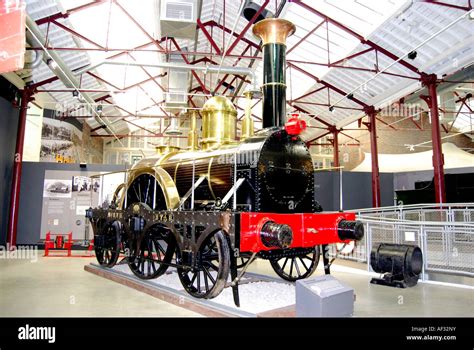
{"x":32,"y":143}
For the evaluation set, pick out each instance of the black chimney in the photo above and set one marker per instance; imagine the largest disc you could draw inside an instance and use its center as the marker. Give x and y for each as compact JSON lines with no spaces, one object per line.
{"x":273,"y":32}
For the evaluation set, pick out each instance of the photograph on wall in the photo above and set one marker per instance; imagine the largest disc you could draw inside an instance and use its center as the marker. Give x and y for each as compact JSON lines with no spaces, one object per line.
{"x":81,"y":184}
{"x":60,"y":140}
{"x":95,"y":184}
{"x":54,"y":188}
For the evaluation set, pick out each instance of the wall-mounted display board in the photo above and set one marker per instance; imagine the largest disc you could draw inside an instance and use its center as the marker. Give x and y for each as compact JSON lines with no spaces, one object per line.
{"x":67,"y":195}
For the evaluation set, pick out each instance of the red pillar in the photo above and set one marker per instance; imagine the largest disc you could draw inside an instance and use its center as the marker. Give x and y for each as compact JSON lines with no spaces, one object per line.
{"x":372,"y":114}
{"x":335,"y":143}
{"x":438,"y":158}
{"x":17,"y":163}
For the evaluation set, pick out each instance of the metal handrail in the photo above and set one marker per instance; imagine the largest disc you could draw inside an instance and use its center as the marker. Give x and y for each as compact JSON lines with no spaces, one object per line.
{"x":414,"y":222}
{"x":416,"y":206}
{"x":439,"y":240}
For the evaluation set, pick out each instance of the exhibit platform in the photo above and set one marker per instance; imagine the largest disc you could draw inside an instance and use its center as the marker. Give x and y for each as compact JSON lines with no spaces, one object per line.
{"x":260,"y":295}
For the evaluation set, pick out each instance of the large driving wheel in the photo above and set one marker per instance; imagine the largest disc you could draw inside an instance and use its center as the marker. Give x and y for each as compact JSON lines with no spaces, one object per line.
{"x":150,"y":256}
{"x":117,"y":197}
{"x":294,"y":268}
{"x":107,"y":244}
{"x":242,"y":260}
{"x":208,"y":278}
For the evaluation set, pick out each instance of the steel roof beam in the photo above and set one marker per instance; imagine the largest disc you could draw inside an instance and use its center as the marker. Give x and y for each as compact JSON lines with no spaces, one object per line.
{"x":155,"y":42}
{"x":318,"y":137}
{"x":358,"y":36}
{"x":342,"y":60}
{"x":247,"y":27}
{"x":162,"y":135}
{"x":440,"y":3}
{"x":235,"y":63}
{"x":208,"y":36}
{"x":200,"y":82}
{"x":327,"y":105}
{"x":60,"y":15}
{"x":305,"y":37}
{"x":328,"y":85}
{"x":75,"y":33}
{"x":227,"y":30}
{"x":44,"y":82}
{"x":302,"y":110}
{"x":308,"y":93}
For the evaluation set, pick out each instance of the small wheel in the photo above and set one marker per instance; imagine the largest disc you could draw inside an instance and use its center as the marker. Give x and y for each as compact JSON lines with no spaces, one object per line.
{"x":296,"y":267}
{"x":209,"y":277}
{"x":107,"y":245}
{"x":149,"y":258}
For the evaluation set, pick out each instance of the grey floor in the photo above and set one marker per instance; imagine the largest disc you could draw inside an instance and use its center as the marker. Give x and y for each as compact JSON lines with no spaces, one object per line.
{"x":61,"y":287}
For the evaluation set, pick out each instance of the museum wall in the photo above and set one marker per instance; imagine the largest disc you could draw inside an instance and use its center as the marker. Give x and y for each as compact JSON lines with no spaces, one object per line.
{"x":8,"y":130}
{"x":31,"y":195}
{"x":356,"y":189}
{"x":406,"y":180}
{"x":394,"y":141}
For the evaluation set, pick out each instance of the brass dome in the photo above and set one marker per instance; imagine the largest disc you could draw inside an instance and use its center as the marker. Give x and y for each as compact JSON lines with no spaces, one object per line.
{"x":219,"y":104}
{"x":218,"y":122}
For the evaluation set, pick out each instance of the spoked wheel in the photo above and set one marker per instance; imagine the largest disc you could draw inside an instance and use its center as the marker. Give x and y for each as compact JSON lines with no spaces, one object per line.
{"x":149,"y":257}
{"x":242,"y":261}
{"x":145,"y":189}
{"x":107,"y":244}
{"x":118,"y":194}
{"x":296,"y":267}
{"x":209,"y":277}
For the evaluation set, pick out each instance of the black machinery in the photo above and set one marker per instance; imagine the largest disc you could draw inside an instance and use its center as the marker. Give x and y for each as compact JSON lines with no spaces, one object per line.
{"x":459,"y":189}
{"x":401,"y":264}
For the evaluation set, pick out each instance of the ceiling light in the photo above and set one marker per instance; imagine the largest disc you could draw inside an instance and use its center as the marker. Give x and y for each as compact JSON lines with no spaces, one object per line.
{"x":75,"y":94}
{"x":331,"y":109}
{"x":412,"y":55}
{"x":51,"y":64}
{"x":251,"y":8}
{"x":99,"y":109}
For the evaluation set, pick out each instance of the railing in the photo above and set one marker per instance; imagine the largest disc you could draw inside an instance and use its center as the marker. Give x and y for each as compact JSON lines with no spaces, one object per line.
{"x":445,"y":234}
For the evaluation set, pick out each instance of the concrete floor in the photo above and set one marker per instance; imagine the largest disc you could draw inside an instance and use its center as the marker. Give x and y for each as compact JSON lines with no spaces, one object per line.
{"x":61,"y":287}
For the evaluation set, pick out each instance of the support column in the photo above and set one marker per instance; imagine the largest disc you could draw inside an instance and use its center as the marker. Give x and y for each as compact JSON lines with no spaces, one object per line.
{"x":438,"y":158}
{"x":335,"y":144}
{"x":17,"y":164}
{"x":371,"y":125}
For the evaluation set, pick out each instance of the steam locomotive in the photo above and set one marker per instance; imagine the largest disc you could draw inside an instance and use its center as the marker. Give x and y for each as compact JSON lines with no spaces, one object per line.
{"x":209,"y":212}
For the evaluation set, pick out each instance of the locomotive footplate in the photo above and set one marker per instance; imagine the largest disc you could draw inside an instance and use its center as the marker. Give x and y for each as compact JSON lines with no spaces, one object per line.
{"x":205,"y":246}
